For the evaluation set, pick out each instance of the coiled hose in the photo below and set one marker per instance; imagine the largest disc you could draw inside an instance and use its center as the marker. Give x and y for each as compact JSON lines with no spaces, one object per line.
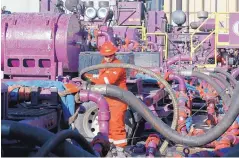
{"x":61,"y":136}
{"x":21,"y":131}
{"x":161,"y":127}
{"x":228,"y":75}
{"x":222,"y":93}
{"x":150,"y":73}
{"x":223,"y":81}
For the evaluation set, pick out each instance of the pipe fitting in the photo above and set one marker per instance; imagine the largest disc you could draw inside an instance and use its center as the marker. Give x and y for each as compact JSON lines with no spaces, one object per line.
{"x":183,"y":114}
{"x":212,"y":118}
{"x":162,"y":128}
{"x":105,"y":34}
{"x":175,"y":59}
{"x":152,"y":144}
{"x":187,"y":73}
{"x":206,"y":72}
{"x":101,"y":144}
{"x":182,"y":85}
{"x":211,"y":69}
{"x":155,"y":47}
{"x":103,"y":112}
{"x":226,"y":142}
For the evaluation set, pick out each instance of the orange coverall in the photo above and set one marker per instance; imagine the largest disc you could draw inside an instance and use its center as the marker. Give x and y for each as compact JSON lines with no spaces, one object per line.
{"x":114,"y":76}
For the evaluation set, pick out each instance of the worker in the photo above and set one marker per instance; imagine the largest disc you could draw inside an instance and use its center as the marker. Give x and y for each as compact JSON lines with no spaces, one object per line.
{"x":117,"y":77}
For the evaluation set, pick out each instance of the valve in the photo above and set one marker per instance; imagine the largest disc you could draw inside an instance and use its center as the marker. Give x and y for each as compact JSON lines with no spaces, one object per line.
{"x":152,"y":144}
{"x":104,"y":143}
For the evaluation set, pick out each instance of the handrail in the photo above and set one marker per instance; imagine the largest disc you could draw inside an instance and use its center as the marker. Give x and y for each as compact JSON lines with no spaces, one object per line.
{"x":215,"y":50}
{"x":198,"y":29}
{"x":211,"y":33}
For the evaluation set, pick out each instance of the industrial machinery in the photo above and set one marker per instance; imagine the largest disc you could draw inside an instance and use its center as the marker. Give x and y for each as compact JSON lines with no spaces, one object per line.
{"x":181,"y":78}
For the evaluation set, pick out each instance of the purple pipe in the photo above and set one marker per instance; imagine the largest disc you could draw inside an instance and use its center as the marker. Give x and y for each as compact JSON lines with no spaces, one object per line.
{"x":234,"y":139}
{"x":181,"y":101}
{"x":155,"y":47}
{"x":97,"y":147}
{"x":182,"y":85}
{"x":103,"y":112}
{"x":134,"y":42}
{"x":235,"y":72}
{"x":105,"y":34}
{"x":177,"y":58}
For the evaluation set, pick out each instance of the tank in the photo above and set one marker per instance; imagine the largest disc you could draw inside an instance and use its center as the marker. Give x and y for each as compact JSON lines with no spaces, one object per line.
{"x":179,"y":17}
{"x":40,"y":42}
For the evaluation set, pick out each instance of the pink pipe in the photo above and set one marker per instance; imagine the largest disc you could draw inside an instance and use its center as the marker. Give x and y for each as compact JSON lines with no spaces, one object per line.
{"x":235,"y":72}
{"x":177,"y":58}
{"x":182,"y":86}
{"x":103,"y":112}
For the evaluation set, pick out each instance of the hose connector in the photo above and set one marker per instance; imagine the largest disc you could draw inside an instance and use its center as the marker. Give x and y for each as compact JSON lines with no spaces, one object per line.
{"x":185,"y":72}
{"x":211,"y":69}
{"x":206,"y":72}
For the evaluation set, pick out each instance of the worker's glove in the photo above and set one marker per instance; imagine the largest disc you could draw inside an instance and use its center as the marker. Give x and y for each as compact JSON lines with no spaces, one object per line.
{"x":103,"y":141}
{"x":86,"y":78}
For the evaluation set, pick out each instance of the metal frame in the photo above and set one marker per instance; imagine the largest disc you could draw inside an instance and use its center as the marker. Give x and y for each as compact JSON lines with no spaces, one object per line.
{"x":215,"y":49}
{"x":216,"y":32}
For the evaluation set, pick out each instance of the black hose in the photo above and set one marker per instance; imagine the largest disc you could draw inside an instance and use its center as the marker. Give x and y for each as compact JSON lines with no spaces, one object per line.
{"x":223,"y":81}
{"x":161,"y":127}
{"x":150,"y":73}
{"x":221,"y":92}
{"x":228,"y":75}
{"x":57,"y":139}
{"x":21,"y":131}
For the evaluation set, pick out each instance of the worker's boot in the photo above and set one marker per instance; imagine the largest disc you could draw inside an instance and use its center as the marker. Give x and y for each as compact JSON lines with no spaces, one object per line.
{"x":120,"y":152}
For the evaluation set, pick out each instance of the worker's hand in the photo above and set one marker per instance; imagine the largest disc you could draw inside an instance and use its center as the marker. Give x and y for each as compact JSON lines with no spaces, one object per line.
{"x":87,"y":77}
{"x":88,"y":80}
